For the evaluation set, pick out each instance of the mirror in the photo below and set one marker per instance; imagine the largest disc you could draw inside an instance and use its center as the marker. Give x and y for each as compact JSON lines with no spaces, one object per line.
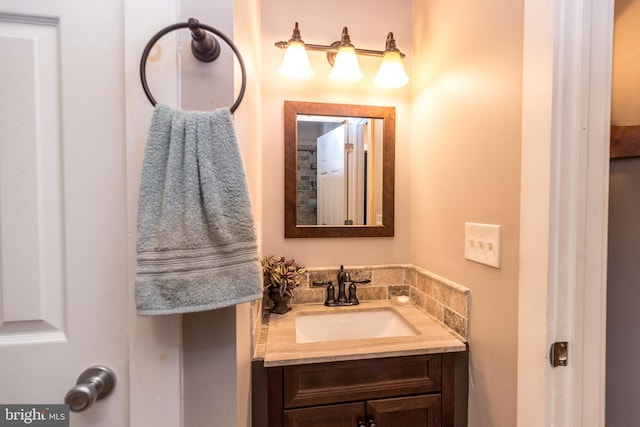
{"x":339,"y":170}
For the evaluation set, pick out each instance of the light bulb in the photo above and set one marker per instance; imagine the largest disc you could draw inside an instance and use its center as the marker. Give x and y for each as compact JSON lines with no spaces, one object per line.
{"x":295,"y":64}
{"x":391,"y":73}
{"x":346,"y":68}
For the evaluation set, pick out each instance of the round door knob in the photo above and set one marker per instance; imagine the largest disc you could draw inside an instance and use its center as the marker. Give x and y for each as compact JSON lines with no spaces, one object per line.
{"x":93,"y":384}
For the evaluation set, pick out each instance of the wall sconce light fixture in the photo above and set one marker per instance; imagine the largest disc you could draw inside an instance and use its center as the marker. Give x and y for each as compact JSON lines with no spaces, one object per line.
{"x":342,"y":55}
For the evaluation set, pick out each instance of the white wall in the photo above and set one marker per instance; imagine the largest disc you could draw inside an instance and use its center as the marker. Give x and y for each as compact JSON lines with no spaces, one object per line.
{"x":154,"y":342}
{"x":217,"y":344}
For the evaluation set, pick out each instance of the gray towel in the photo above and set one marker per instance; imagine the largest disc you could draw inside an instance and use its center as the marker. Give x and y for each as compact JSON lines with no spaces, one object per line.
{"x":196,"y":241}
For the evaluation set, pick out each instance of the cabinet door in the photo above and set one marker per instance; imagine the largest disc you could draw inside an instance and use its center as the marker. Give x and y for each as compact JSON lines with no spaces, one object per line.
{"x":405,"y":411}
{"x":345,"y":415}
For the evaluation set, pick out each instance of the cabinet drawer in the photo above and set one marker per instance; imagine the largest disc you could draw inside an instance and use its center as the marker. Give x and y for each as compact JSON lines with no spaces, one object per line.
{"x":322,"y":383}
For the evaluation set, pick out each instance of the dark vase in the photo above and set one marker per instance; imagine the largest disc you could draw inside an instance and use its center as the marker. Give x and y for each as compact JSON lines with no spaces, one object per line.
{"x":280,"y":303}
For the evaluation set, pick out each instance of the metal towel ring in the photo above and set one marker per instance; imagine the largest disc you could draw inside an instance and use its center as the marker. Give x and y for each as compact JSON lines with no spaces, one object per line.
{"x":199,"y":41}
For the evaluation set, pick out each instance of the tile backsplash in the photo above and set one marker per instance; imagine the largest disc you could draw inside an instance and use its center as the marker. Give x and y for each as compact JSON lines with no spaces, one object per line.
{"x":445,"y":300}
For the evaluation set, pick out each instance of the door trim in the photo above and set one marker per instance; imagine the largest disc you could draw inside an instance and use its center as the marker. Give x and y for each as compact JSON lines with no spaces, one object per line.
{"x":155,"y":347}
{"x":565,"y":154}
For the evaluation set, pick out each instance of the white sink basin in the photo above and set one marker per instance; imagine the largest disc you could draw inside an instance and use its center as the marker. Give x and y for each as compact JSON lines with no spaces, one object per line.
{"x":351,"y":325}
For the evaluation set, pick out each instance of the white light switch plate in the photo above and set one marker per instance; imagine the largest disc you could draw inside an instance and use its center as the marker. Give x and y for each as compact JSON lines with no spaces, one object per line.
{"x":482,"y":243}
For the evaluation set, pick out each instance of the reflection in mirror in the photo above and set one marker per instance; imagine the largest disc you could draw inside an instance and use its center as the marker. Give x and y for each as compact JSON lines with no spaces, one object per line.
{"x":339,"y":170}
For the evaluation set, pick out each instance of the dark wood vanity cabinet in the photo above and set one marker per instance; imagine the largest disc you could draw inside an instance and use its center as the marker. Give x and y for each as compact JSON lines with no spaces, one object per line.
{"x":343,"y":415}
{"x":424,"y":410}
{"x":408,"y":411}
{"x":411,"y":391}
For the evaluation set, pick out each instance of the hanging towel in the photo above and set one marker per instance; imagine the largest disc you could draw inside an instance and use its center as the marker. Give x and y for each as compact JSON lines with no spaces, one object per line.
{"x":196,"y":241}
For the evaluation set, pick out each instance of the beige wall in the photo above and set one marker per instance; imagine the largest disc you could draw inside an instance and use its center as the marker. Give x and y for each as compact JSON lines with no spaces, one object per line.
{"x":458,"y":155}
{"x":466,"y":115}
{"x":321,"y":23}
{"x":625,"y":86}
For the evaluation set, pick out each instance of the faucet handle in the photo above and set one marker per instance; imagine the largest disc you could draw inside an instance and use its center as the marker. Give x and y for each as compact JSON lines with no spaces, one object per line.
{"x":319,"y":283}
{"x":331,"y":294}
{"x":353,"y":299}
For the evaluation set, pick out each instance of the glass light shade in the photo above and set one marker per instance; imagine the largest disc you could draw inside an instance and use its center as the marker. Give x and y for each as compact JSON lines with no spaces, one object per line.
{"x":346,"y":68}
{"x":391,"y":73}
{"x":295,"y":64}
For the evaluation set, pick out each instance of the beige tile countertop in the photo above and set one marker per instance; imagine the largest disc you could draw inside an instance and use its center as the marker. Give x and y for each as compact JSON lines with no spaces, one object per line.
{"x":432,"y":337}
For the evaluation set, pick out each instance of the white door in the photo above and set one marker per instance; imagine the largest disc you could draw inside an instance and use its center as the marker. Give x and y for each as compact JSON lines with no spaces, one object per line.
{"x":355,"y":173}
{"x":331,"y":176}
{"x":63,"y":224}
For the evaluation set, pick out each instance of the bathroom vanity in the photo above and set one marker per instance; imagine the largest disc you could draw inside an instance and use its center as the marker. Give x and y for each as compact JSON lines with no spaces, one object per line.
{"x":417,"y":379}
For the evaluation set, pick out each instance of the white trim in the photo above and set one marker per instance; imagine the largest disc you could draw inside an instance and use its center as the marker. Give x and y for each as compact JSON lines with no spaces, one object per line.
{"x":537,"y":95}
{"x":589,"y":401}
{"x":562,"y":289}
{"x":155,"y":346}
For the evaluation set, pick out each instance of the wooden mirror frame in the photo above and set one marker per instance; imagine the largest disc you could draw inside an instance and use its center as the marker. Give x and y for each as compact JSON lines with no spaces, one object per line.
{"x":291,"y":111}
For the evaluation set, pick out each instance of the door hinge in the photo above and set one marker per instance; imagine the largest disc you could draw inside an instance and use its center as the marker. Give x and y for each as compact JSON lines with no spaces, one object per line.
{"x":559,"y":354}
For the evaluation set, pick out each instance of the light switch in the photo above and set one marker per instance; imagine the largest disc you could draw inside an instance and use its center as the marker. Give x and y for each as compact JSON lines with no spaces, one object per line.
{"x":482,"y":243}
